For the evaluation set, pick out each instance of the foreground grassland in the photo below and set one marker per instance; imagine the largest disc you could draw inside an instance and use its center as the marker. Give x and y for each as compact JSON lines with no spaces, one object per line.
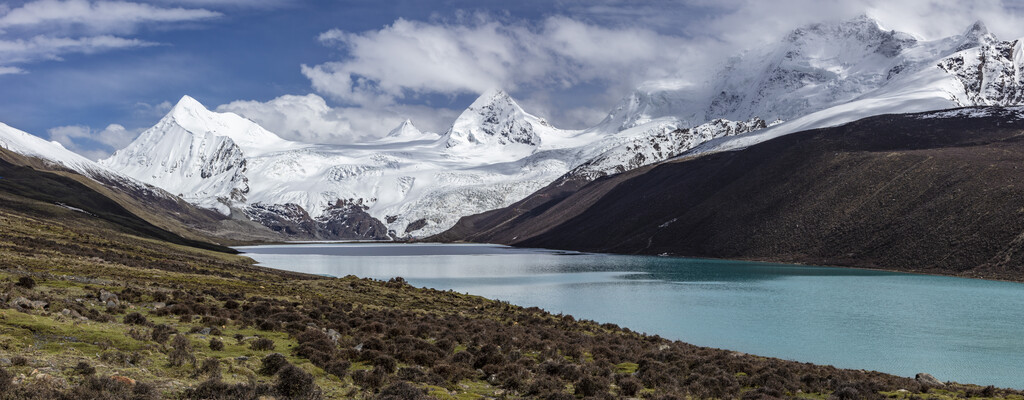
{"x":89,"y":312}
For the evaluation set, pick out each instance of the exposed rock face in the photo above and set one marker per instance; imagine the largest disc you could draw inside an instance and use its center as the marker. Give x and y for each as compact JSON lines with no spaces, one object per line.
{"x":928,"y":380}
{"x":342,"y":221}
{"x":990,"y":74}
{"x":494,"y":119}
{"x":659,"y":146}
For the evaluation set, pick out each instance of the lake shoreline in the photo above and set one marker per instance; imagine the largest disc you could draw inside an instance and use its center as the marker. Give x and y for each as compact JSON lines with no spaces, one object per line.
{"x":606,"y":287}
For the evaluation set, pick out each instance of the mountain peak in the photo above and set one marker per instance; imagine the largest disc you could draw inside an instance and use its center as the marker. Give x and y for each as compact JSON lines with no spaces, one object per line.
{"x":977,"y":29}
{"x":976,"y":35}
{"x":494,"y":97}
{"x":195,"y":119}
{"x":494,"y":118}
{"x":404,"y":130}
{"x":188,"y":105}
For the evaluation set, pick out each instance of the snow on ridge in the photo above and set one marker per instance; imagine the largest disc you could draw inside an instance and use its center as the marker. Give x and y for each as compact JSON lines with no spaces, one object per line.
{"x":495,"y":152}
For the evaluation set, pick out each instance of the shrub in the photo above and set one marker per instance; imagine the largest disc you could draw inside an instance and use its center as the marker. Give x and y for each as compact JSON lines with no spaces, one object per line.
{"x":5,"y":380}
{"x":26,"y":282}
{"x":629,"y":386}
{"x":273,"y":363}
{"x":338,"y":367}
{"x":590,"y":386}
{"x":19,"y":361}
{"x":135,"y":319}
{"x":368,"y":379}
{"x":161,"y":333}
{"x":216,"y":344}
{"x":293,"y":382}
{"x":181,"y":351}
{"x":144,"y":390}
{"x":83,"y":368}
{"x":262,"y":344}
{"x":210,"y":367}
{"x":401,"y":391}
{"x":386,"y":364}
{"x":214,"y":389}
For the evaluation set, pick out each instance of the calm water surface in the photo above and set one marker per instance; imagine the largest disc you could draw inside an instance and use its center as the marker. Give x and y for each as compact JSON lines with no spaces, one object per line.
{"x":956,"y":329}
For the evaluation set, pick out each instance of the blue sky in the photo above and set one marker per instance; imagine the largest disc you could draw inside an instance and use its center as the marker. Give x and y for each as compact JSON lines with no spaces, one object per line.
{"x":93,"y":73}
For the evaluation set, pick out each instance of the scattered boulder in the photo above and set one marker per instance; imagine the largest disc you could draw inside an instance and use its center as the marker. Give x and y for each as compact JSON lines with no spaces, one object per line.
{"x":22,"y":304}
{"x":333,"y":335}
{"x":204,"y":331}
{"x":159,"y":305}
{"x":109,"y":299}
{"x":928,"y":380}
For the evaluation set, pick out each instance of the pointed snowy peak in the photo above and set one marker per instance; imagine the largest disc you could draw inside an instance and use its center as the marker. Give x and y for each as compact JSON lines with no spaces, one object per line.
{"x":407,"y":132}
{"x":404,"y":130}
{"x":495,"y":119}
{"x":976,"y":35}
{"x":976,"y":30}
{"x":188,"y":105}
{"x":195,"y":119}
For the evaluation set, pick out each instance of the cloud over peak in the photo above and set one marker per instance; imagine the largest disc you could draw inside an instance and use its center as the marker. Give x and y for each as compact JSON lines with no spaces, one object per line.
{"x":411,"y":58}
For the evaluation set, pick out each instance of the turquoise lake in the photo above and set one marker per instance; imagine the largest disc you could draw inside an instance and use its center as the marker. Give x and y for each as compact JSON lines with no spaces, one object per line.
{"x":961,"y":330}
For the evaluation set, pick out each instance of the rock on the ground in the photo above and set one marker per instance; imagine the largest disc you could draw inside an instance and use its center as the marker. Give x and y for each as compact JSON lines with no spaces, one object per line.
{"x":928,"y":380}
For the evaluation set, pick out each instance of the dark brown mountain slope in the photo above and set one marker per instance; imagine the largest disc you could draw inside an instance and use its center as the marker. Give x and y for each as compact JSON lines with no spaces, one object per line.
{"x":165,"y":211}
{"x":900,"y":192}
{"x":20,"y":183}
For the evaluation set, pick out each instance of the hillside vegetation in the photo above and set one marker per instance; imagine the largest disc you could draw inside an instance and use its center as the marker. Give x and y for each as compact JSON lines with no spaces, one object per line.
{"x":91,"y":311}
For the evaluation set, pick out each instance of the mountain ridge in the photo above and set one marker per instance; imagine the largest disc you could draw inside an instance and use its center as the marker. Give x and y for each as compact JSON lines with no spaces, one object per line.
{"x":897,"y":192}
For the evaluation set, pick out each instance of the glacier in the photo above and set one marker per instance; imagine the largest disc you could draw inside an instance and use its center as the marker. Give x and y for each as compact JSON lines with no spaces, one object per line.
{"x":410,"y":183}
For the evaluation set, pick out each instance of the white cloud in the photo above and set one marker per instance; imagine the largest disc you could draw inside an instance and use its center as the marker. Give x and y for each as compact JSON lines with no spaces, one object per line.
{"x":411,"y":58}
{"x":736,"y":22}
{"x":51,"y":48}
{"x":96,"y":17}
{"x":10,"y":70}
{"x":233,"y":3}
{"x":77,"y":137}
{"x":309,"y":119}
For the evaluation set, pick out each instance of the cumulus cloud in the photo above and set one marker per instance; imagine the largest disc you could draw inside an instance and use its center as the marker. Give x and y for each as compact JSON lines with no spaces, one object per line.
{"x":83,"y":140}
{"x":96,"y":17}
{"x":309,"y":119}
{"x":411,"y":58}
{"x":610,"y":46}
{"x":11,"y":70}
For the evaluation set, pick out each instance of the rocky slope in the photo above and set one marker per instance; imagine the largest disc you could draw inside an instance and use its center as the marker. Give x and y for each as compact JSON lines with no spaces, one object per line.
{"x":935,"y":192}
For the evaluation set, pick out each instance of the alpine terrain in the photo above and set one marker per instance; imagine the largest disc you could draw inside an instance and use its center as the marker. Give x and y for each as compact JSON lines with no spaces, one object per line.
{"x":415,"y":184}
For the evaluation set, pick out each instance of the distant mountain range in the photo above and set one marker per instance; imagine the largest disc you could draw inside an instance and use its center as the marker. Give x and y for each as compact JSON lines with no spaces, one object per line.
{"x":240,"y":180}
{"x":935,"y":192}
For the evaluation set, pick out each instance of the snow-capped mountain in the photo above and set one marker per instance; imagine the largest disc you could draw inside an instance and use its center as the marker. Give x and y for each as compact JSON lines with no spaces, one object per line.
{"x":904,"y":75}
{"x":408,"y":183}
{"x":407,"y":132}
{"x":197,"y":154}
{"x":54,"y":153}
{"x":496,"y":124}
{"x":495,"y":153}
